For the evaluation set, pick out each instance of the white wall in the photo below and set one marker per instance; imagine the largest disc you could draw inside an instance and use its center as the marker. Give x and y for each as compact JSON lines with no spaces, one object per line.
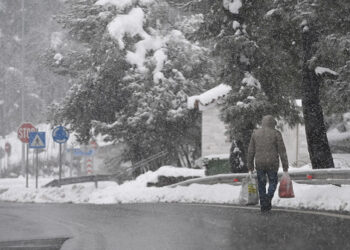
{"x":296,"y":156}
{"x":214,"y":140}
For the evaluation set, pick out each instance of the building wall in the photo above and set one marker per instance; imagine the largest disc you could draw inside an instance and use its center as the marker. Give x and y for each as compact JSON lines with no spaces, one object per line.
{"x":300,"y":156}
{"x":214,"y":140}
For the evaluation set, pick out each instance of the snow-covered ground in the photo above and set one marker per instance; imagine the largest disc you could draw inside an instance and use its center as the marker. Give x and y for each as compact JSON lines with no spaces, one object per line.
{"x":323,"y":197}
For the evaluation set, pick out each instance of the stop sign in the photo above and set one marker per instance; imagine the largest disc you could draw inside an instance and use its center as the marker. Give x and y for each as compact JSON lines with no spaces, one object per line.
{"x":24,"y":130}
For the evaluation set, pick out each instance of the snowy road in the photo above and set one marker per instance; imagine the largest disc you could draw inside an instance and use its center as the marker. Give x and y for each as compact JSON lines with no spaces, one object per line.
{"x":172,"y":226}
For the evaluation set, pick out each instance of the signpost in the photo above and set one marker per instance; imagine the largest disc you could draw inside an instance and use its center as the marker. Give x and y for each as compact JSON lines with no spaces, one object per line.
{"x":23,"y":136}
{"x":8,"y":153}
{"x":2,"y":155}
{"x":60,"y":135}
{"x":8,"y":148}
{"x":79,"y":152}
{"x":37,"y":140}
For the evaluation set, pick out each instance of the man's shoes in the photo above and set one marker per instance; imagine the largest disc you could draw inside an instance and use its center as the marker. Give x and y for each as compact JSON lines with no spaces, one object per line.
{"x":266,"y":205}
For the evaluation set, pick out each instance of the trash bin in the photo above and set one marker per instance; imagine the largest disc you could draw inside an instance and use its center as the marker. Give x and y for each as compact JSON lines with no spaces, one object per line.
{"x":217,"y":166}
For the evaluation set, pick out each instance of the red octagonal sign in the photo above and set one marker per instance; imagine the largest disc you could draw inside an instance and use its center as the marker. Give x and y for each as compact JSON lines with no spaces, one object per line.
{"x":24,"y":130}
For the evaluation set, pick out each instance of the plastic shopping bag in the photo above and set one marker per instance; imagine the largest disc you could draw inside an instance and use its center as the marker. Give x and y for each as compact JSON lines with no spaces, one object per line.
{"x":249,"y":193}
{"x":286,"y":187}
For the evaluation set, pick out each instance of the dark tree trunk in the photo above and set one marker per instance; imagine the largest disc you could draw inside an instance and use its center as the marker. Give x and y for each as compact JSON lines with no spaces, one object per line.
{"x":316,"y":136}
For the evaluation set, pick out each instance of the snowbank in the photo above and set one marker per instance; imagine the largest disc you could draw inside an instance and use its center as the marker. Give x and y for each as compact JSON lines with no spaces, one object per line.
{"x":325,"y":197}
{"x":334,"y":135}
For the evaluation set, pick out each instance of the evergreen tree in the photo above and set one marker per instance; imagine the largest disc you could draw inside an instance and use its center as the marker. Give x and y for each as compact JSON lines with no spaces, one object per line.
{"x":252,"y":70}
{"x":315,"y":27}
{"x":281,"y":43}
{"x":137,"y":74}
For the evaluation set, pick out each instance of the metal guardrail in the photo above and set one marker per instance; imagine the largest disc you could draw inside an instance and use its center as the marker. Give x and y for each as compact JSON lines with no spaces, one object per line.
{"x":97,"y":178}
{"x":81,"y":179}
{"x":313,"y":177}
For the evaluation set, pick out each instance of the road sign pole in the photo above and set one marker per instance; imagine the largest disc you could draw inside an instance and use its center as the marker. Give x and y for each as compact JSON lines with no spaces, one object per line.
{"x":60,"y":135}
{"x":71,"y":164}
{"x":23,"y":158}
{"x":37,"y":168}
{"x":60,"y":165}
{"x":27,"y":158}
{"x":23,"y":135}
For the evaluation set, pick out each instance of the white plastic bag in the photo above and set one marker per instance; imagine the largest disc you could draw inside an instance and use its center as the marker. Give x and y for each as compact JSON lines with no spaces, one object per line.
{"x":249,"y":193}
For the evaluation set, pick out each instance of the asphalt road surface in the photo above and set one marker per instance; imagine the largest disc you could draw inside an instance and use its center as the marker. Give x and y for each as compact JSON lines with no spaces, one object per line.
{"x":172,"y":226}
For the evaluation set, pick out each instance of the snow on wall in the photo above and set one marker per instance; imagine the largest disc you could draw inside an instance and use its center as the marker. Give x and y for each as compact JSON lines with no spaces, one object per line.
{"x":208,"y":96}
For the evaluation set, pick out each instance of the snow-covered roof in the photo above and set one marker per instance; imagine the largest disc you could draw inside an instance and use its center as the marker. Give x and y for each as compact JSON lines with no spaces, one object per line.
{"x":208,"y":97}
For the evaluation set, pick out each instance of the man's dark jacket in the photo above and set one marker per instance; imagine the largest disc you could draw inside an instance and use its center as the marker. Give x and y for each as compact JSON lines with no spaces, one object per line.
{"x":266,"y":146}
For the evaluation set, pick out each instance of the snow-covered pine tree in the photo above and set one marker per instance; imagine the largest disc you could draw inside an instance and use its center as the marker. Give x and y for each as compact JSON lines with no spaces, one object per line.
{"x":244,"y":109}
{"x":314,"y":28}
{"x":294,"y":46}
{"x":233,"y":28}
{"x":138,"y":74}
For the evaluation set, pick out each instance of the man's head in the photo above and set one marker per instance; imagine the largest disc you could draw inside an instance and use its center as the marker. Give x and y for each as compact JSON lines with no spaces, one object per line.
{"x":268,"y":122}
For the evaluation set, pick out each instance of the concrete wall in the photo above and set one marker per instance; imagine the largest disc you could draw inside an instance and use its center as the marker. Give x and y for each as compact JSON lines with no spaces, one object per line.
{"x":214,"y":140}
{"x":296,"y":156}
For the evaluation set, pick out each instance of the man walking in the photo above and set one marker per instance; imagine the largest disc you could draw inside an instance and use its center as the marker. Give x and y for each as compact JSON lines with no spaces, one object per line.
{"x":266,"y":147}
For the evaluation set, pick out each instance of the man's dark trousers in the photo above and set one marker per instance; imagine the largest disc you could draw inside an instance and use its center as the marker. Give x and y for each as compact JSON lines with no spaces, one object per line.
{"x":265,"y":198}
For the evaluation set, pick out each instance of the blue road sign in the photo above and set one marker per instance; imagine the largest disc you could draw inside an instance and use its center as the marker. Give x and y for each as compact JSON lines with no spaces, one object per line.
{"x":37,"y":140}
{"x":79,"y":152}
{"x":60,"y":134}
